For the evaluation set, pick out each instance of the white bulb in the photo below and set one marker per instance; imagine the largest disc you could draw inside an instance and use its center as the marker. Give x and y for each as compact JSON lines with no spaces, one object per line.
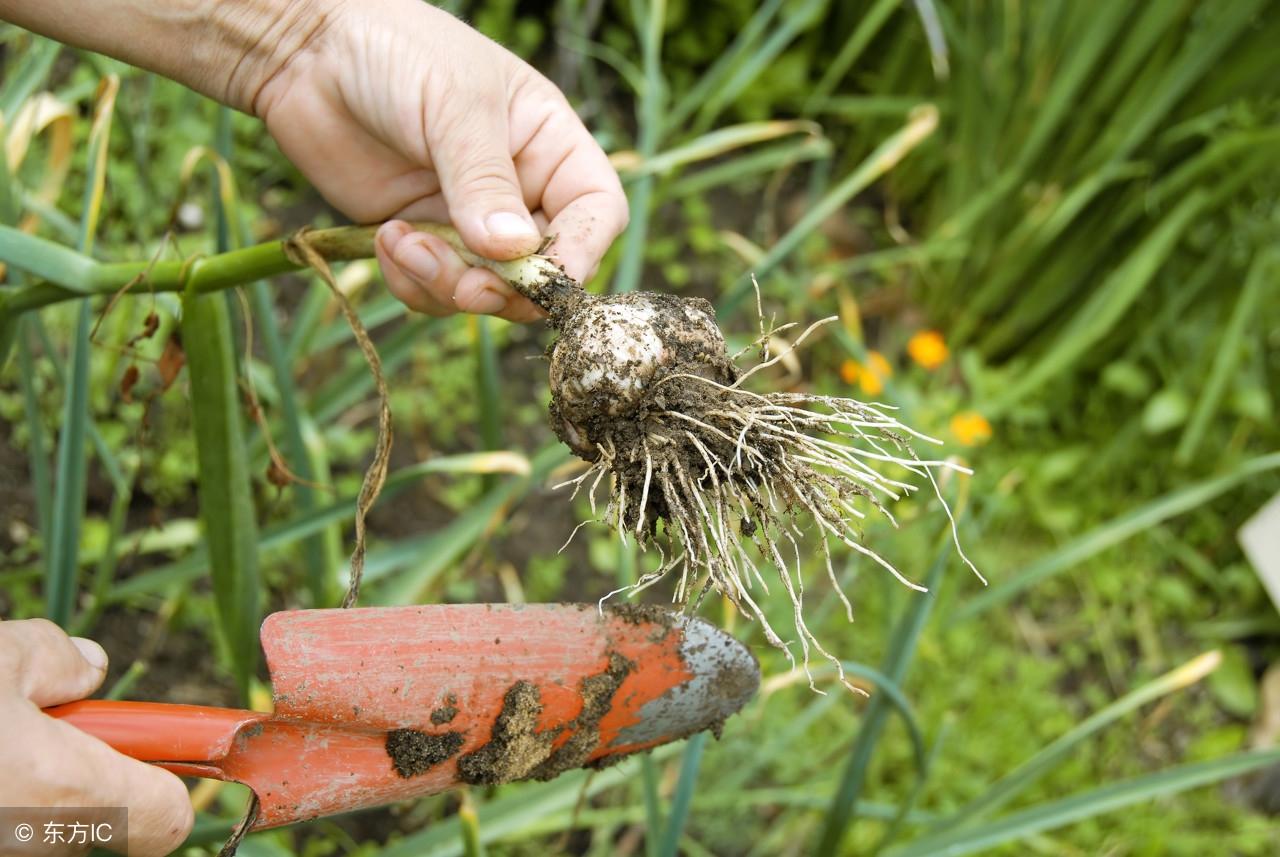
{"x":607,"y":357}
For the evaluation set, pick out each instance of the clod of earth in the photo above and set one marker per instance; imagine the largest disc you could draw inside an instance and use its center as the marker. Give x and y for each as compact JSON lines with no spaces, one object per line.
{"x":597,"y":698}
{"x":517,"y":751}
{"x":413,"y":752}
{"x":719,"y":480}
{"x":445,"y":713}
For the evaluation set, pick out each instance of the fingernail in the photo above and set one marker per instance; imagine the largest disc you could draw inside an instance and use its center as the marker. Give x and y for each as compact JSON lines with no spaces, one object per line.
{"x":419,"y":263}
{"x":391,"y":233}
{"x":505,"y":224}
{"x":91,"y":652}
{"x":484,"y":302}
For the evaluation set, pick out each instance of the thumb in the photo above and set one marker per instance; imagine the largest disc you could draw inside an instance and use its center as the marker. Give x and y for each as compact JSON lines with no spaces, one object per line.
{"x":478,"y":179}
{"x":48,"y":666}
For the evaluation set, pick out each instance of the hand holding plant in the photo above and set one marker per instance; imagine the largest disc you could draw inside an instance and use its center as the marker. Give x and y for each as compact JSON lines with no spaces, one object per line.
{"x":392,"y":109}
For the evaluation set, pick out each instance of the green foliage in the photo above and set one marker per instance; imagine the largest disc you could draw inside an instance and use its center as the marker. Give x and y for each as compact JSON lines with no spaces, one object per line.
{"x":1086,"y":225}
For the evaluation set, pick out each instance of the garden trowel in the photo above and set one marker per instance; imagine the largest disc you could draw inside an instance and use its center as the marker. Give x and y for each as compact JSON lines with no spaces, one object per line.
{"x":380,"y":704}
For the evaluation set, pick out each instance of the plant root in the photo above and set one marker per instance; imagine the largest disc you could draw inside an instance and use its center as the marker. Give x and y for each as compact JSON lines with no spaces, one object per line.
{"x":723,"y":482}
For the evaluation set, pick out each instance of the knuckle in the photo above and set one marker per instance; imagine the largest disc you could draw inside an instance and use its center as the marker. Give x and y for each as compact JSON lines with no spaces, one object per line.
{"x":485,"y":175}
{"x":28,"y":636}
{"x":43,"y":629}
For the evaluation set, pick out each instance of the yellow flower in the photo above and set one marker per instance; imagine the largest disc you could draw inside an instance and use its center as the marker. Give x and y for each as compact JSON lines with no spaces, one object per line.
{"x":870,"y":377}
{"x":928,"y":349}
{"x":971,"y":428}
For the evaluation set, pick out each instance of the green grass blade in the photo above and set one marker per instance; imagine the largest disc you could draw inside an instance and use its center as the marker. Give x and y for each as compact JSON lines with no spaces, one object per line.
{"x":37,"y":456}
{"x":654,"y":821}
{"x":901,"y":650}
{"x":687,"y":783}
{"x":939,"y":55}
{"x":225,"y":487}
{"x":32,"y":72}
{"x":9,"y":335}
{"x":519,"y":808}
{"x":71,"y":469}
{"x":488,"y":382}
{"x":1080,"y":62}
{"x":415,"y":564}
{"x":1114,"y":532}
{"x":1108,"y":303}
{"x":1264,"y":273}
{"x":1109,"y":798}
{"x":868,"y":26}
{"x":650,"y":16}
{"x":62,"y":570}
{"x":744,"y":44}
{"x":46,"y":260}
{"x":1047,"y":758}
{"x":922,"y":124}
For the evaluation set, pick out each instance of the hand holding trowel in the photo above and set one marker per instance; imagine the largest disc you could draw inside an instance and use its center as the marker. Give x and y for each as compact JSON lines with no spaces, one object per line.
{"x":374,"y":705}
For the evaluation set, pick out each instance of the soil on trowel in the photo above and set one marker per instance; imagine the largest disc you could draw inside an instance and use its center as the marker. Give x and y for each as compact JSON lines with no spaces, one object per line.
{"x":516,"y":751}
{"x":598,"y":692}
{"x":645,"y":614}
{"x":515,"y":748}
{"x":414,"y":752}
{"x":445,"y":713}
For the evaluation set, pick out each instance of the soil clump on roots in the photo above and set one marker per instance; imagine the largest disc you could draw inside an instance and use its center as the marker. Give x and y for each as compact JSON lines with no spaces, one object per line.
{"x":721,"y":481}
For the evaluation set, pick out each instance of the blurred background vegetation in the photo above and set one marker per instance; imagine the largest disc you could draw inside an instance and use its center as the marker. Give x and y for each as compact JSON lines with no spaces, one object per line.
{"x":1073,"y":279}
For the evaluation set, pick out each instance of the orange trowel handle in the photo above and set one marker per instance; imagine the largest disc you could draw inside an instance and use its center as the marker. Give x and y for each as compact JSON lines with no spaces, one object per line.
{"x":159,"y":731}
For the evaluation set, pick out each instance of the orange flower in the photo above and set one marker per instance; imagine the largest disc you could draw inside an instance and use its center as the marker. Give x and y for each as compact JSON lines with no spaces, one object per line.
{"x":928,"y":349}
{"x":870,"y":377}
{"x":971,"y":428}
{"x":849,"y":370}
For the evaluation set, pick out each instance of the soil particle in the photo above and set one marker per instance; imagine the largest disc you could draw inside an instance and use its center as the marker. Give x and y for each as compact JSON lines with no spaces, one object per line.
{"x":598,"y":692}
{"x":413,"y":752}
{"x":691,"y":342}
{"x":445,"y":713}
{"x":515,"y":748}
{"x":661,"y":619}
{"x":516,"y":751}
{"x":642,"y":614}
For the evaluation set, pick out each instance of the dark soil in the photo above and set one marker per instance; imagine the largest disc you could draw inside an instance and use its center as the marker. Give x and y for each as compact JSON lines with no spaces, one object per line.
{"x":515,"y":748}
{"x":689,"y":336}
{"x":445,"y":713}
{"x":597,"y":698}
{"x":414,"y":752}
{"x":517,"y":751}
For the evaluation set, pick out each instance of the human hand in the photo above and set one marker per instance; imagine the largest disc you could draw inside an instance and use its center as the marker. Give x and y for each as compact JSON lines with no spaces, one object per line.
{"x":396,"y":109}
{"x":51,"y":763}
